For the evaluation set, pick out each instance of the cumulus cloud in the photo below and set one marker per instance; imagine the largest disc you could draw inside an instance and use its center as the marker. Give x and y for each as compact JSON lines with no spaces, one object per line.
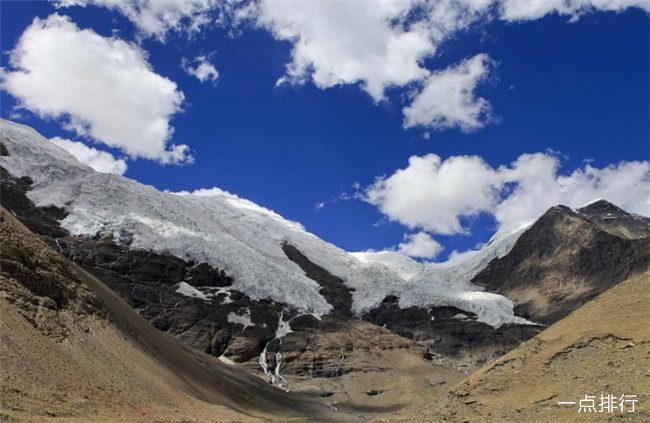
{"x":538,"y":185}
{"x":434,"y":195}
{"x":420,"y":245}
{"x":202,"y":69}
{"x":101,"y":161}
{"x":102,"y":87}
{"x":353,"y":42}
{"x":448,"y":98}
{"x":157,"y":17}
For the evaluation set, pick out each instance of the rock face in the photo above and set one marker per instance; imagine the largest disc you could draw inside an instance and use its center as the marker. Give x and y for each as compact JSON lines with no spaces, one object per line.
{"x":450,"y":331}
{"x":40,"y":220}
{"x":568,"y":258}
{"x":349,"y":361}
{"x":333,"y":288}
{"x":208,"y":318}
{"x":615,"y":220}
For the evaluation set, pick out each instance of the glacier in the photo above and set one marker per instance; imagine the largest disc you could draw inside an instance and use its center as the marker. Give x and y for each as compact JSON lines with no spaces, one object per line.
{"x":243,"y":238}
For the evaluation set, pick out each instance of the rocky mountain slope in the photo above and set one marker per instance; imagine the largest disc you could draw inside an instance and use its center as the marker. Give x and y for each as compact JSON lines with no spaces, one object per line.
{"x":601,"y":349}
{"x":567,"y":258}
{"x":342,"y":361}
{"x":72,"y":349}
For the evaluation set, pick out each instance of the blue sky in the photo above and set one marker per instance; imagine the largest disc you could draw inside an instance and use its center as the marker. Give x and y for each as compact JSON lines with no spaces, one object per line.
{"x":571,"y":85}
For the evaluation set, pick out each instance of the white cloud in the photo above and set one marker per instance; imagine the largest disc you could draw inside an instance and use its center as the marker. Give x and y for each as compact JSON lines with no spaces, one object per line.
{"x":448,"y":100}
{"x":202,"y":70}
{"x":104,"y":88}
{"x":101,"y":161}
{"x":157,"y":17}
{"x":382,"y":44}
{"x":517,"y":10}
{"x":420,"y":245}
{"x":352,"y":42}
{"x":434,"y":195}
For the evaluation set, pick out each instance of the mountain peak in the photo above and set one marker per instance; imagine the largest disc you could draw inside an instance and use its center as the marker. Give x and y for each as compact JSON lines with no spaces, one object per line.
{"x":613,"y":219}
{"x":601,"y":206}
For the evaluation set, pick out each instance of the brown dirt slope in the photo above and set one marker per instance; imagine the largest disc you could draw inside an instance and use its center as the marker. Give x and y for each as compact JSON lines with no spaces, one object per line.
{"x":602,"y":348}
{"x":71,"y":350}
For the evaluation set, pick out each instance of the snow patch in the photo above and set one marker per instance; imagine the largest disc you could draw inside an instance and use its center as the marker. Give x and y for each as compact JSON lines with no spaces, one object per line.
{"x":448,"y":283}
{"x":590,"y":203}
{"x":189,"y":291}
{"x":275,"y":377}
{"x":244,"y":319}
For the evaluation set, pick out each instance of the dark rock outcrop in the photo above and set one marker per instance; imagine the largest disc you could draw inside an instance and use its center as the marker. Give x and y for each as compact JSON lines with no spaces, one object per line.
{"x":611,"y":218}
{"x":450,"y":331}
{"x":333,"y":288}
{"x":40,"y":220}
{"x":150,"y":283}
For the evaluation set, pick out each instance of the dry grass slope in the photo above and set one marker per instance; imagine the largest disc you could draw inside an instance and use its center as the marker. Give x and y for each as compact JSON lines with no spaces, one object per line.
{"x":602,"y":348}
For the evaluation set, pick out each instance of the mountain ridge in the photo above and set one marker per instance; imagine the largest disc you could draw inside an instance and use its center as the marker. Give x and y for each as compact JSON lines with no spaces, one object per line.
{"x":568,"y":257}
{"x":598,"y":349}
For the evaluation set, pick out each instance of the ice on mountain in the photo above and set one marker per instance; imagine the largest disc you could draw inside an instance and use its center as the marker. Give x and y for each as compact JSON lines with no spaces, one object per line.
{"x":243,"y":238}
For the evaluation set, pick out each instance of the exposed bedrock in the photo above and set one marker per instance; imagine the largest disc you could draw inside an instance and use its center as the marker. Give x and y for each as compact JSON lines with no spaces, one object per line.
{"x":450,"y":331}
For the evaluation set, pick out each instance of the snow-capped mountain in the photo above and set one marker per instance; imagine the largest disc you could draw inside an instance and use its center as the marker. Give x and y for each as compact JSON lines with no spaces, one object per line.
{"x":238,"y":281}
{"x":242,"y":238}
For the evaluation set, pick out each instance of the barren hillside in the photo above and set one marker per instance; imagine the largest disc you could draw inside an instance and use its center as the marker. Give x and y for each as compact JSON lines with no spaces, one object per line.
{"x":602,"y":348}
